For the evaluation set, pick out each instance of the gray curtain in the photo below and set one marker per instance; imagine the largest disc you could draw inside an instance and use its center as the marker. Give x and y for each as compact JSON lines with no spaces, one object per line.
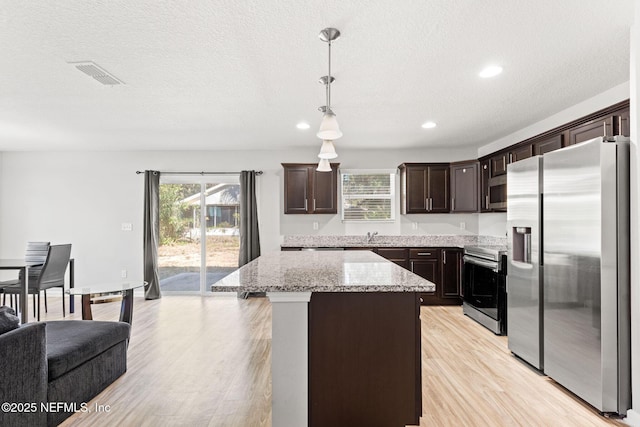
{"x":151,"y":233}
{"x":249,"y":233}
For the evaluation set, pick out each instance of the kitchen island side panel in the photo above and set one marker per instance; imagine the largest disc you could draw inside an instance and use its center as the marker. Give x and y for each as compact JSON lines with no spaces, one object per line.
{"x":364,"y":359}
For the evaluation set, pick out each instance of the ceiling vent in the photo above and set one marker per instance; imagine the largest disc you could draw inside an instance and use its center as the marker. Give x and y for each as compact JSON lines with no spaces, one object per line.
{"x":92,"y":69}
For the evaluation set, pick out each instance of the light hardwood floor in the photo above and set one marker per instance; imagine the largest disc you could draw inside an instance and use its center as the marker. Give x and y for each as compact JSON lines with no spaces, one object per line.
{"x":206,"y":362}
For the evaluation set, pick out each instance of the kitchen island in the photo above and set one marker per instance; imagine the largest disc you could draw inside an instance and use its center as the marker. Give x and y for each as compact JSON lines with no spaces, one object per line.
{"x":345,"y":337}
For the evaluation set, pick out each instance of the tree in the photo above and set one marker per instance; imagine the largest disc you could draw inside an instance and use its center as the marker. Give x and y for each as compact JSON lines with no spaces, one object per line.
{"x":174,"y":218}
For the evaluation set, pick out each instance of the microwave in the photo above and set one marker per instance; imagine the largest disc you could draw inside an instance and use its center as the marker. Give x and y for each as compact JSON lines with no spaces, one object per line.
{"x":497,"y":196}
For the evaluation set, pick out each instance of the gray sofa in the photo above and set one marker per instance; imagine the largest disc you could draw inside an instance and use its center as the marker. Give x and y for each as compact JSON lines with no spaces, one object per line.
{"x":64,"y":362}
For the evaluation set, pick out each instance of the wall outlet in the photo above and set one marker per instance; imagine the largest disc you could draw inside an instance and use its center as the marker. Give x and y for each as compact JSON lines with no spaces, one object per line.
{"x":315,"y":225}
{"x":463,"y":225}
{"x":127,"y":226}
{"x":414,"y":225}
{"x":123,"y":274}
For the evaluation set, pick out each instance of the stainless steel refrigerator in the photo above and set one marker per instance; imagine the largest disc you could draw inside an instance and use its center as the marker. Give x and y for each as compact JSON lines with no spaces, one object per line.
{"x":524,"y":267}
{"x":568,"y":311}
{"x":586,"y":309}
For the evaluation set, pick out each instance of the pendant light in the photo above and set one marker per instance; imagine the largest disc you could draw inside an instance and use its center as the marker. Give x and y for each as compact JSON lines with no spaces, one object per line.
{"x":329,"y":128}
{"x":324,"y":166}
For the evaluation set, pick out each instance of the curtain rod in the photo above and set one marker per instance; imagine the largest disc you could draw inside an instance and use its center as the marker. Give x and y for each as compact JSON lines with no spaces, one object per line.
{"x":198,"y":173}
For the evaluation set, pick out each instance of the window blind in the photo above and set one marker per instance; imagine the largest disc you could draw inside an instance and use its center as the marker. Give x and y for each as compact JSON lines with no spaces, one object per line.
{"x":368,"y":196}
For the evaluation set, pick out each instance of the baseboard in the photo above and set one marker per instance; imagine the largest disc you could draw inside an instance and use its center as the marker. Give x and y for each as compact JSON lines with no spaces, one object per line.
{"x":633,"y":418}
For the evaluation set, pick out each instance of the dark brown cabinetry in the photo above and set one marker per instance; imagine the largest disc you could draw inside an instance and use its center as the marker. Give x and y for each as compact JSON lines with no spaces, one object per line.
{"x":615,"y":123}
{"x":464,"y":186}
{"x":499,"y":164}
{"x":424,"y":188}
{"x":485,"y":175}
{"x":396,"y":255}
{"x":547,"y":145}
{"x":385,"y":387}
{"x":451,"y":288}
{"x":593,"y":129}
{"x":307,"y":191}
{"x":442,"y":267}
{"x":425,"y":262}
{"x":519,"y":153}
{"x":610,"y":121}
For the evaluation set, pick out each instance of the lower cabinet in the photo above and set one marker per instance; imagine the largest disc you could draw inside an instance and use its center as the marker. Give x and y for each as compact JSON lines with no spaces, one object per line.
{"x":451,"y":289}
{"x":442,"y":266}
{"x":385,"y":387}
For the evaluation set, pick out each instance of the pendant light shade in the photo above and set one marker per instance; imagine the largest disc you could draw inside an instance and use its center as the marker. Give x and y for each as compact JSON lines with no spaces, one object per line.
{"x":327,"y":151}
{"x":324,"y":166}
{"x":329,"y":129}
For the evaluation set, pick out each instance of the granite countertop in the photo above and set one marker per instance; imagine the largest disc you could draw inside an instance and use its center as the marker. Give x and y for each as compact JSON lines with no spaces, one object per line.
{"x":322,"y":271}
{"x":432,"y":240}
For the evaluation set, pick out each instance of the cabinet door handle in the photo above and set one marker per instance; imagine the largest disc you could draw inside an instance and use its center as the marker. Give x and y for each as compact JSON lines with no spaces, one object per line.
{"x":305,"y":204}
{"x":453,"y":204}
{"x":314,"y":205}
{"x":430,"y":204}
{"x":487,"y":201}
{"x":426,"y":204}
{"x":424,"y":253}
{"x":504,"y":163}
{"x":444,"y":257}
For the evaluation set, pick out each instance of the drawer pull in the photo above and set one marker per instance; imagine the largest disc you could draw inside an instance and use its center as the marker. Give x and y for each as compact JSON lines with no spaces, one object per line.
{"x":424,"y":253}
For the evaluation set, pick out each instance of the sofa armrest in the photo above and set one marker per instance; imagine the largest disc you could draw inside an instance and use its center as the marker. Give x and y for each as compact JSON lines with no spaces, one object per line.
{"x":23,"y":373}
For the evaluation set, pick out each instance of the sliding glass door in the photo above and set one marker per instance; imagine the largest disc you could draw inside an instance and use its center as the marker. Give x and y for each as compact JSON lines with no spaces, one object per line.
{"x":199,"y":231}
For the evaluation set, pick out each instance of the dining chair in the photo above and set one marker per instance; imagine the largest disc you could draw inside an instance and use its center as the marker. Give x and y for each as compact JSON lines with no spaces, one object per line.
{"x":35,"y":256}
{"x":51,"y":275}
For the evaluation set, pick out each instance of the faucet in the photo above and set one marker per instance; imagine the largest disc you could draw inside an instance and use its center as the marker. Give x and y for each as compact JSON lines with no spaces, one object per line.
{"x":370,"y":236}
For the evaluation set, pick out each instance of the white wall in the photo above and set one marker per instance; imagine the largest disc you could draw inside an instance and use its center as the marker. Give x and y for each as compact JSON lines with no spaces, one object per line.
{"x":84,"y":197}
{"x":633,"y":416}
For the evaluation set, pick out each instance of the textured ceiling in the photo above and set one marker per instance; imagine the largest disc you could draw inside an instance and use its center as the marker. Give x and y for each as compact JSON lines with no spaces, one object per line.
{"x":214,"y":75}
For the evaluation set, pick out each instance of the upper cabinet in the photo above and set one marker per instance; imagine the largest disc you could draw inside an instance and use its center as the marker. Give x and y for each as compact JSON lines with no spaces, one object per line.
{"x":307,"y":191}
{"x":498,"y":164}
{"x":464,"y":186}
{"x":521,"y":152}
{"x":485,"y":175}
{"x":424,"y":188}
{"x":610,"y":124}
{"x":546,"y":145}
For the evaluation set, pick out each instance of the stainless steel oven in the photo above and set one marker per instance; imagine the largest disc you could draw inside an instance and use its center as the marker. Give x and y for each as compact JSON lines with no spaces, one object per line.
{"x":484,"y":286}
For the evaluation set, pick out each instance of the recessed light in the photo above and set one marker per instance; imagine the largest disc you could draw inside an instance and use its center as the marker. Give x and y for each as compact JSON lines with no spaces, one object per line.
{"x":303,"y":125}
{"x":428,"y":125}
{"x":490,"y":71}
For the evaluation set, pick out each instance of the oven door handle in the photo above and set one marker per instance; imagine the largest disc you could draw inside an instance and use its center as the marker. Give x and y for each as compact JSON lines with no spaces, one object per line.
{"x":492,"y":265}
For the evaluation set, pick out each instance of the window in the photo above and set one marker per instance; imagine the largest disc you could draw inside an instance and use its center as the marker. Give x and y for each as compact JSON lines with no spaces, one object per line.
{"x":368,"y":195}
